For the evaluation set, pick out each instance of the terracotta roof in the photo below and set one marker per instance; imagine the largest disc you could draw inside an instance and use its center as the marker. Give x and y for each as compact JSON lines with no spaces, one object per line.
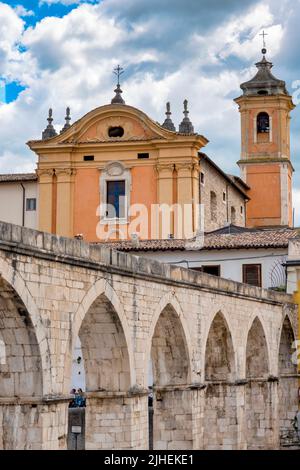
{"x":15,"y":177}
{"x":263,"y":238}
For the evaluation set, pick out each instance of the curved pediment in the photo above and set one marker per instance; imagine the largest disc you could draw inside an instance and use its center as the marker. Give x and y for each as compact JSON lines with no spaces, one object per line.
{"x":113,"y":123}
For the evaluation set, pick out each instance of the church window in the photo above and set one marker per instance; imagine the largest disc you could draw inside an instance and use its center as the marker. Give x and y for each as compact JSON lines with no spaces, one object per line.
{"x":233,"y":215}
{"x":252,"y":274}
{"x":213,"y":206}
{"x":115,"y":187}
{"x":202,"y":178}
{"x":115,"y":199}
{"x":116,"y":131}
{"x":263,"y":123}
{"x":224,"y":196}
{"x":242,"y":210}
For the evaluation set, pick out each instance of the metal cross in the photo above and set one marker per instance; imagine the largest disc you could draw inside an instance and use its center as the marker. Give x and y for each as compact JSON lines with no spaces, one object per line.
{"x":118,"y":72}
{"x":264,"y":35}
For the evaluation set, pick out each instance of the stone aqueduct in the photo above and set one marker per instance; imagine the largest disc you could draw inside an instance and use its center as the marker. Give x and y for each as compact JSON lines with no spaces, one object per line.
{"x":221,"y":351}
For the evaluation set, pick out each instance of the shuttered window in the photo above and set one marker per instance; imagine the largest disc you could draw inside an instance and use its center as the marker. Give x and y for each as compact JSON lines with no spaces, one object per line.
{"x":252,"y":274}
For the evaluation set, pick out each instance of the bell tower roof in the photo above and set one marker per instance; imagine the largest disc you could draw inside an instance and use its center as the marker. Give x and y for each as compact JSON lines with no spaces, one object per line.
{"x":264,"y":82}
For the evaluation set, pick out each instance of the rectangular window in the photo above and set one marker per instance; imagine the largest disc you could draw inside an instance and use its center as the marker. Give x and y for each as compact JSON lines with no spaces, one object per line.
{"x":224,"y":196}
{"x":88,"y":158}
{"x":202,"y":178}
{"x":31,"y":204}
{"x":143,"y":155}
{"x":252,"y":274}
{"x":115,"y":199}
{"x":214,"y":270}
{"x":242,"y":210}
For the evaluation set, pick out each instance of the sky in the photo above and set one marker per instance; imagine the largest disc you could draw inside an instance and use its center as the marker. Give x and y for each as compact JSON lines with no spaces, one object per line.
{"x":59,"y":53}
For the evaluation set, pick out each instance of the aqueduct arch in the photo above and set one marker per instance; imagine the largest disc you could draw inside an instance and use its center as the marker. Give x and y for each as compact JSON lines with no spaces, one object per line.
{"x":21,"y":374}
{"x":172,"y":420}
{"x":220,"y":409}
{"x":101,"y":326}
{"x":288,"y":383}
{"x":259,"y":390}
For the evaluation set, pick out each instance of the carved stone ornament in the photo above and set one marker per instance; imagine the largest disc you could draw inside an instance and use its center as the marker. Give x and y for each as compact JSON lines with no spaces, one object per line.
{"x":45,"y":172}
{"x":164,"y":167}
{"x":114,"y":169}
{"x":65,"y":171}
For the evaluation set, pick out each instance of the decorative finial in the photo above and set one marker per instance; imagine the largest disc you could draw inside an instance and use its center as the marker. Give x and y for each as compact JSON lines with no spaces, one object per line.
{"x":186,"y":127}
{"x":49,"y":131}
{"x":118,"y":98}
{"x":67,"y":119}
{"x":168,"y":123}
{"x":264,"y":48}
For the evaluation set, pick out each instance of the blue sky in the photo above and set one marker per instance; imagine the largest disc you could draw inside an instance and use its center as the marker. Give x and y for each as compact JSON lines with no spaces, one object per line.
{"x":44,"y":9}
{"x":61,"y":53}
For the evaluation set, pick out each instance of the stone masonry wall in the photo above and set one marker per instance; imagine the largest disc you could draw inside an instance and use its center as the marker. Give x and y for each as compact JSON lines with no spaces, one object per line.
{"x":66,"y":286}
{"x":215,"y":182}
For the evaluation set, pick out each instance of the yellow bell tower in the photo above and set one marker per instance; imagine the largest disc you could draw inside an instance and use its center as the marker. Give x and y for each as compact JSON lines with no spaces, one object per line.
{"x":265,"y":165}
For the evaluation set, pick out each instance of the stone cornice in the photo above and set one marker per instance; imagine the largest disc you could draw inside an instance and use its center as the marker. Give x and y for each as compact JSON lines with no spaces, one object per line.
{"x":268,"y":100}
{"x":65,"y":171}
{"x":264,"y":160}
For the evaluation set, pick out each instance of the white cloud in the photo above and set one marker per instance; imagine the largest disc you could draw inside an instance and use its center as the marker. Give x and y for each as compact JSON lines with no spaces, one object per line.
{"x":68,"y":61}
{"x":65,"y":2}
{"x":22,"y":11}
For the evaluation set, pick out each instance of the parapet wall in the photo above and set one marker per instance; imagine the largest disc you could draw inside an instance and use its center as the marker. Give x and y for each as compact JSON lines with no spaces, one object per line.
{"x":76,"y":252}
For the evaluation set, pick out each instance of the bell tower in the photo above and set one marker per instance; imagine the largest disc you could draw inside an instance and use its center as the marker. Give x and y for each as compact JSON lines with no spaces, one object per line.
{"x":265,"y":164}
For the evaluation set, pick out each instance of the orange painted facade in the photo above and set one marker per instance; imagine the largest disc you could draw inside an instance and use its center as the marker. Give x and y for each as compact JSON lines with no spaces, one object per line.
{"x":158,"y":166}
{"x":86,"y":202}
{"x":264,"y":180}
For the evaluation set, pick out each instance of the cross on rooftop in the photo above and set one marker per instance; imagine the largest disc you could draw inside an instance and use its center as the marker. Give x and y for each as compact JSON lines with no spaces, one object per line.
{"x":263,"y":34}
{"x":118,"y":72}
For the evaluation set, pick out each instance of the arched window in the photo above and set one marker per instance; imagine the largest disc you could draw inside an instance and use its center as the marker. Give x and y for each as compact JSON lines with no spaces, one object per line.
{"x":263,"y":123}
{"x":213,"y":206}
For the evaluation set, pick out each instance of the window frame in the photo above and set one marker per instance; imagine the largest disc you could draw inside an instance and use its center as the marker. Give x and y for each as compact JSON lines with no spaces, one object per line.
{"x":114,"y":171}
{"x":247,"y":265}
{"x":28,"y":209}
